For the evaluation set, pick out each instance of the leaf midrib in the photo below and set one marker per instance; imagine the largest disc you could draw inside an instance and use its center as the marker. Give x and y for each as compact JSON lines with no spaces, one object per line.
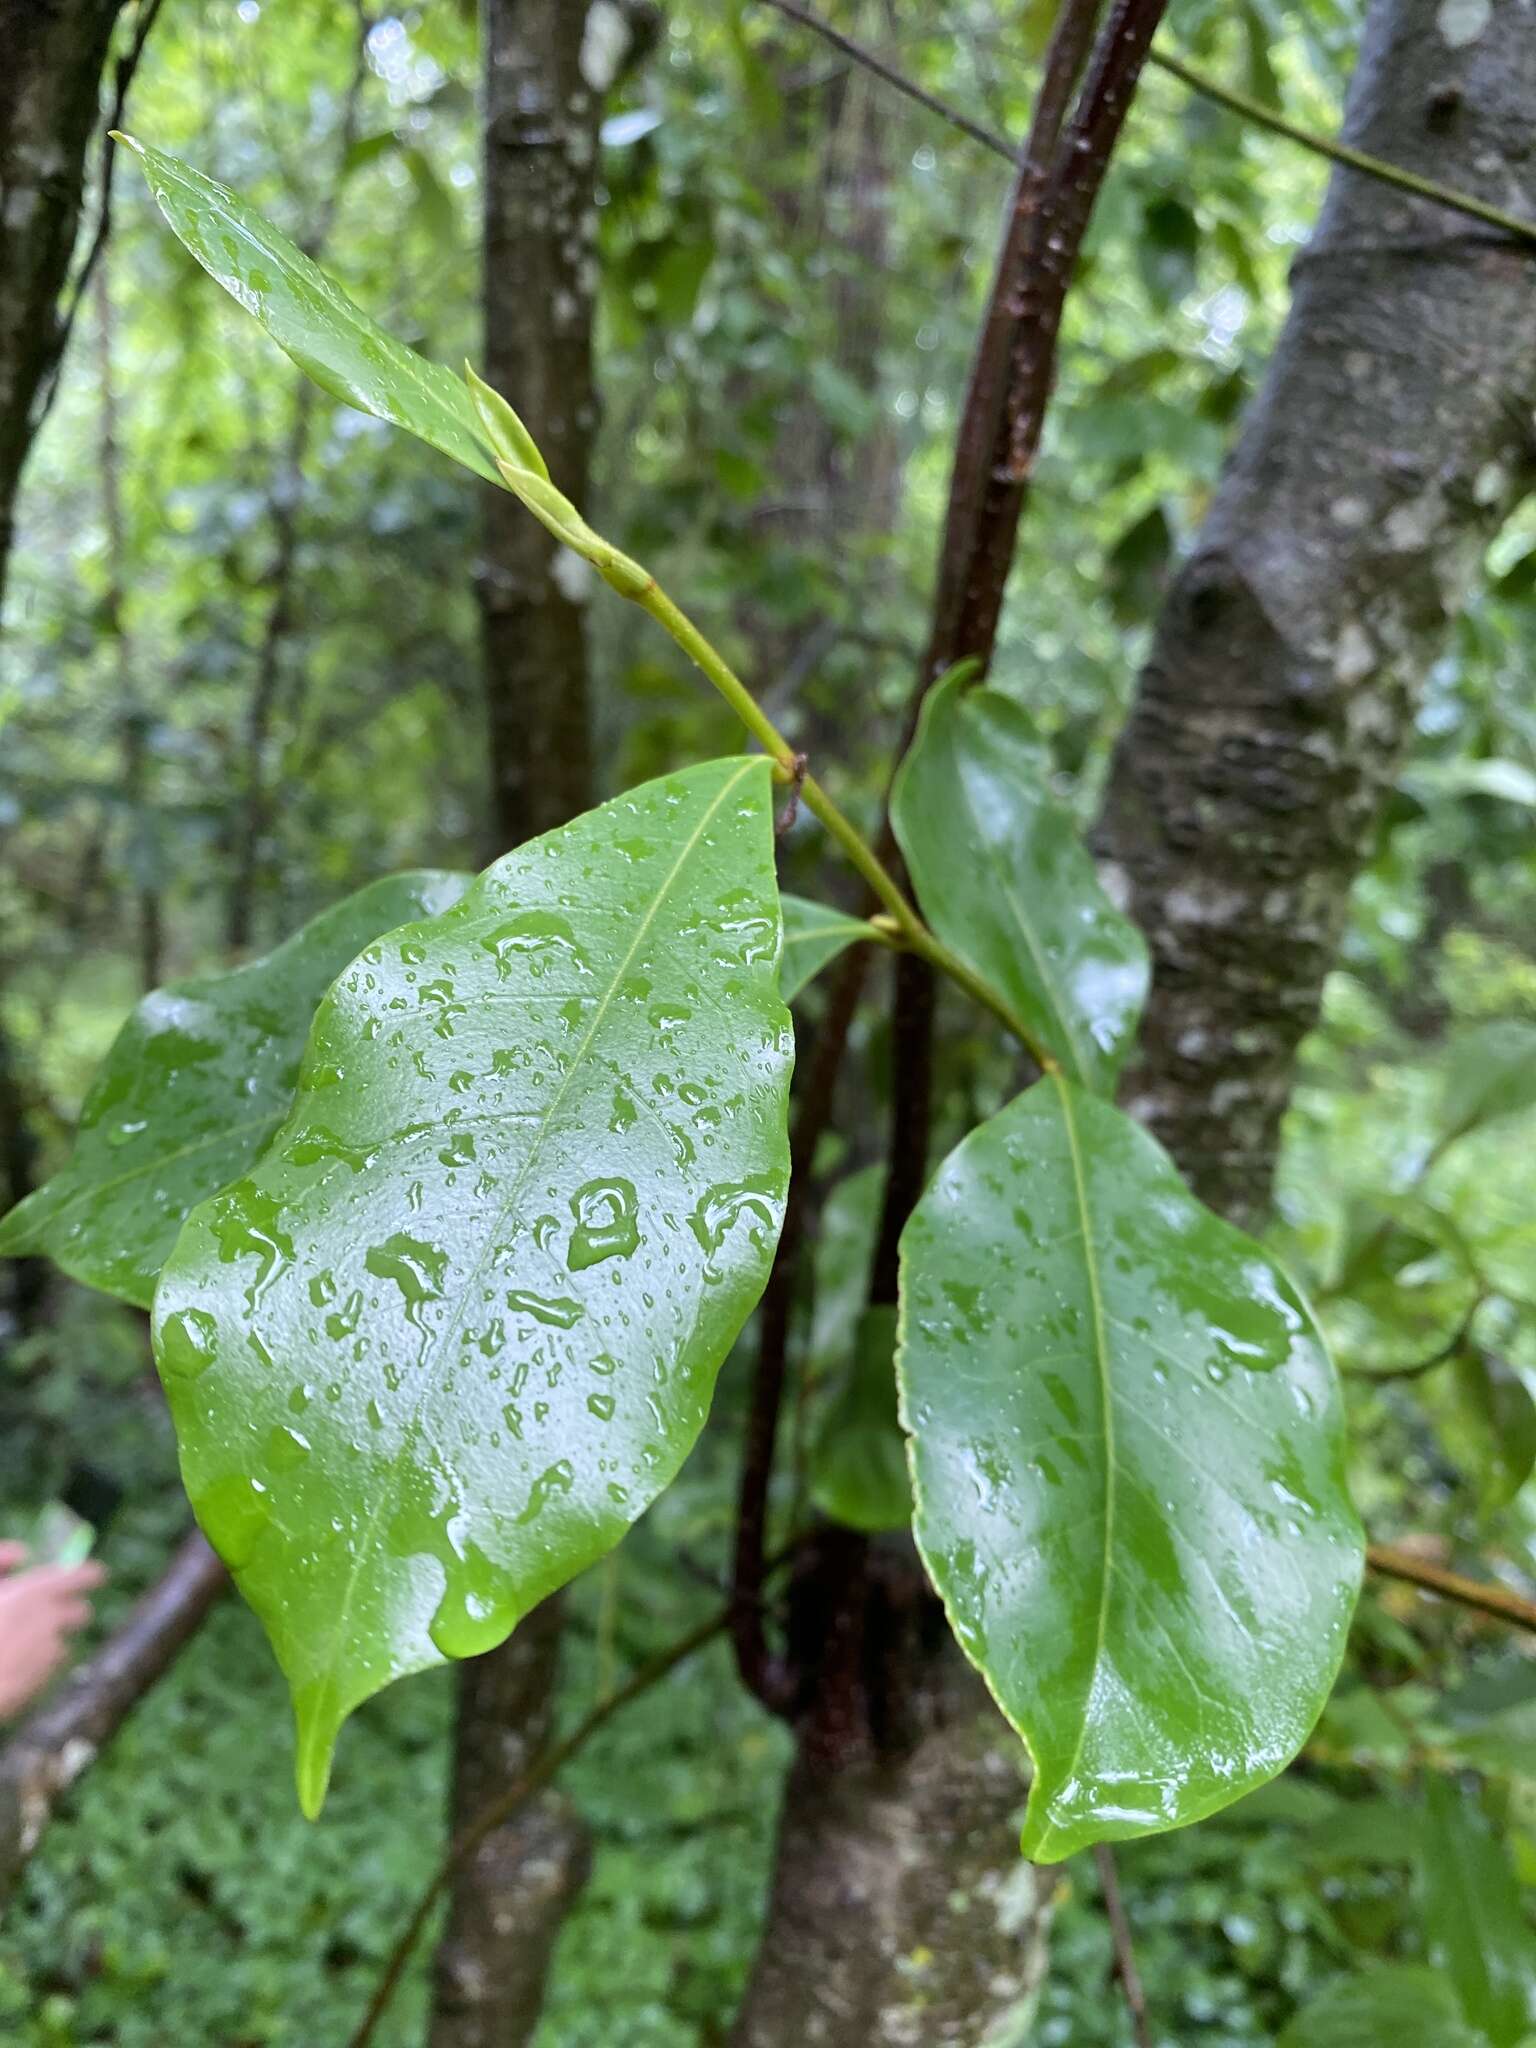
{"x":1106,"y":1395}
{"x":493,"y":1234}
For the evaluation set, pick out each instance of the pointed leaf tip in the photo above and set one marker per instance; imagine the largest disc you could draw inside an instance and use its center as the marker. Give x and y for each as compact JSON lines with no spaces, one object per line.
{"x":308,"y":315}
{"x":529,"y":1159}
{"x":1132,"y":1500}
{"x":314,"y":1750}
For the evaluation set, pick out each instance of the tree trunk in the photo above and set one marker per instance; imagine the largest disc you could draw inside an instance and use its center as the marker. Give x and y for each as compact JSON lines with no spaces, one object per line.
{"x":1391,"y":435}
{"x":545,"y":77}
{"x":49,"y":87}
{"x":511,"y":1897}
{"x":548,"y":67}
{"x":900,"y":1912}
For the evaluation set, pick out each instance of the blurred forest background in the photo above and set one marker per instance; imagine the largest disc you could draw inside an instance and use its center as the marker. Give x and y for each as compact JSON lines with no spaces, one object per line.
{"x":245,"y":670}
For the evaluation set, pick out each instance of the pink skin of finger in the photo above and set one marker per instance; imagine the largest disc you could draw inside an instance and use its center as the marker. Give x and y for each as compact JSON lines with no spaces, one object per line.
{"x":39,"y":1610}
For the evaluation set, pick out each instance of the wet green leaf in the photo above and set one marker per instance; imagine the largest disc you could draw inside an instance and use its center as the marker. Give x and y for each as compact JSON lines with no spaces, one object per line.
{"x":1128,"y":1464}
{"x":858,"y":1466}
{"x":1489,"y":1072}
{"x":1487,"y":1422}
{"x":461,"y":1324}
{"x":813,"y":936}
{"x":1005,"y":880}
{"x":1475,"y":1917}
{"x":310,"y":316}
{"x":1396,"y":2006}
{"x":195,"y":1084}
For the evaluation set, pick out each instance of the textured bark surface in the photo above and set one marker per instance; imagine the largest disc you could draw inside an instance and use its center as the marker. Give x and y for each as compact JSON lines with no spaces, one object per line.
{"x":510,"y":1899}
{"x":65,"y":1736}
{"x":901,"y":1915}
{"x":1392,"y":432}
{"x":54,"y":52}
{"x":548,"y":64}
{"x":1390,"y":436}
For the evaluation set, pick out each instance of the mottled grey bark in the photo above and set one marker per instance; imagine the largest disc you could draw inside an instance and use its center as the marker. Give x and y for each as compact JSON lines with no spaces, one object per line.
{"x":548,"y":65}
{"x":53,"y":51}
{"x":1392,"y":433}
{"x":900,"y":1912}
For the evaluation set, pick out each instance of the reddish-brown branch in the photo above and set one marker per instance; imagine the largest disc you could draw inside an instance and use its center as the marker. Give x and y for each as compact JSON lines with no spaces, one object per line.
{"x":911,"y":1117}
{"x":1497,"y":1601}
{"x":994,"y":393}
{"x":766,"y":1676}
{"x":1061,"y":171}
{"x":64,"y":1737}
{"x":1011,"y":383}
{"x":1052,"y":208}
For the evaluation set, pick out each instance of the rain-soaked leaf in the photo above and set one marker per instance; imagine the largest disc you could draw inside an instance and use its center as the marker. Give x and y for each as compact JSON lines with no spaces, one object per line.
{"x":1475,"y":1917}
{"x":195,"y":1084}
{"x":1128,"y":1457}
{"x":1396,"y":2005}
{"x":1005,"y":880}
{"x":310,"y":316}
{"x":858,"y":1464}
{"x":813,"y":936}
{"x":1490,"y":1072}
{"x":1487,"y":1421}
{"x":462,"y":1322}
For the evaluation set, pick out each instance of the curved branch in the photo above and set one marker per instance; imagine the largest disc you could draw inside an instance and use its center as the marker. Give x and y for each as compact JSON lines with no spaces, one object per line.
{"x":1497,"y":1601}
{"x":64,"y":1737}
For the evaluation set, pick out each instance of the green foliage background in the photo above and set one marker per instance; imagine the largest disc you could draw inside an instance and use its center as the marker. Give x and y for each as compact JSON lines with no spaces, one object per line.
{"x":182,"y":1898}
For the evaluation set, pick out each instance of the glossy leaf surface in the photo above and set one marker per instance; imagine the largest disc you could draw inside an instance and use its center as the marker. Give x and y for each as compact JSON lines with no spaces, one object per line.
{"x":1475,"y":1917}
{"x":814,"y":934}
{"x":1396,"y":2006}
{"x":1005,"y":880}
{"x":858,"y":1465}
{"x":1128,"y":1464}
{"x":311,"y":317}
{"x":195,"y":1084}
{"x":461,"y":1324}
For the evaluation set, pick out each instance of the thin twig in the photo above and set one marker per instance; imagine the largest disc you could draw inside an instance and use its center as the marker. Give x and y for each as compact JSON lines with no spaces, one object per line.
{"x":540,"y":1772}
{"x":1497,"y":1601}
{"x":1341,"y":152}
{"x":1125,"y":1951}
{"x":860,"y":54}
{"x":62,"y":1739}
{"x":770,"y":1679}
{"x":1441,"y":1355}
{"x":1227,"y":96}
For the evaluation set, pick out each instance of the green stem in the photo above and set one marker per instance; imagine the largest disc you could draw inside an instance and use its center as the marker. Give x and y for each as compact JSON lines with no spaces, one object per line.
{"x":1341,"y":153}
{"x":913,"y":933}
